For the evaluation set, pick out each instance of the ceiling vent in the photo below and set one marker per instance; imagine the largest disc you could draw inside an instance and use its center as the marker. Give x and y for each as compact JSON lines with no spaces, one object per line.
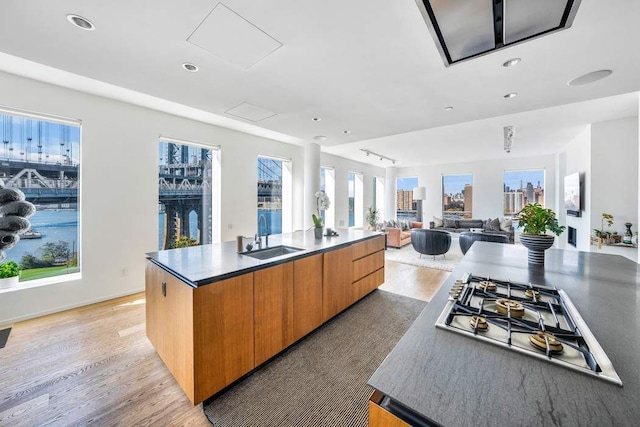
{"x":464,"y":29}
{"x":250,"y":112}
{"x":228,"y":35}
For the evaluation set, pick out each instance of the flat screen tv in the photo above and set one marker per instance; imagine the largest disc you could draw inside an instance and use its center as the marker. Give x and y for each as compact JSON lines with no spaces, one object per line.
{"x":572,"y":194}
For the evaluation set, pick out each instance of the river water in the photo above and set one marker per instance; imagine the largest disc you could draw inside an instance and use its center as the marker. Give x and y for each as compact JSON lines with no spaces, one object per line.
{"x":55,"y":226}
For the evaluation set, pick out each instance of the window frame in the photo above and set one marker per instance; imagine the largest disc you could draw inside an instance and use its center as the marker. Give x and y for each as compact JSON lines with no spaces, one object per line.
{"x":466,"y":214}
{"x":414,"y":208}
{"x":77,"y":247}
{"x":504,"y":187}
{"x":286,"y":225}
{"x":216,"y":171}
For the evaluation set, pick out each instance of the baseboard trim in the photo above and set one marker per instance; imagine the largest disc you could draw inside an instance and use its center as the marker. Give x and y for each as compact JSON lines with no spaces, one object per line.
{"x":68,"y":307}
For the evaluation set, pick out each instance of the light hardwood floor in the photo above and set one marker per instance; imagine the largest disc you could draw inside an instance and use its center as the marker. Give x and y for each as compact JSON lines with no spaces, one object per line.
{"x":94,"y":365}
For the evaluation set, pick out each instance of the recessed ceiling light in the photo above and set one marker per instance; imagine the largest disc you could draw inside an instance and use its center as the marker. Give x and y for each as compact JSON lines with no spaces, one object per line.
{"x":591,"y":77}
{"x":320,"y":138}
{"x":81,"y":22}
{"x":448,"y":108}
{"x":190,"y":67}
{"x":346,"y":131}
{"x":512,"y":62}
{"x":511,"y":95}
{"x":316,"y":119}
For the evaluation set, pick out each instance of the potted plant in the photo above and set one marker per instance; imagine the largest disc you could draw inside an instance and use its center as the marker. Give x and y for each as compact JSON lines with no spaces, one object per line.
{"x":372,"y":217}
{"x":535,"y":222}
{"x":322,"y":203}
{"x":9,"y":274}
{"x":603,"y":235}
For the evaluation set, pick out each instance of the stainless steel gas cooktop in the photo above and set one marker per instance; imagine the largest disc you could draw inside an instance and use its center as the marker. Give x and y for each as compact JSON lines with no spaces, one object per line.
{"x":538,"y":321}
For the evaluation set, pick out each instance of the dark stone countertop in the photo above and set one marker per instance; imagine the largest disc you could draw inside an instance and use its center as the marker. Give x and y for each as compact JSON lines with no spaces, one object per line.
{"x":455,"y":380}
{"x":201,"y":265}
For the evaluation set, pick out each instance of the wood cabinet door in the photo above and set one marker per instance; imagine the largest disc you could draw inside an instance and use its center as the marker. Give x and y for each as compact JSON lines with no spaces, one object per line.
{"x":307,"y":295}
{"x":380,"y":417}
{"x":224,"y":334}
{"x":337,"y":291}
{"x":273,"y":313}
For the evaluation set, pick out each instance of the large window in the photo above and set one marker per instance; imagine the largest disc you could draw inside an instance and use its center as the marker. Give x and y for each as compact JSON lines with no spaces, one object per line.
{"x":187,"y":183}
{"x":274,"y":196}
{"x":521,"y":188}
{"x":41,"y":158}
{"x":406,"y":208}
{"x":356,"y":199}
{"x":328,"y":185}
{"x":457,"y":196}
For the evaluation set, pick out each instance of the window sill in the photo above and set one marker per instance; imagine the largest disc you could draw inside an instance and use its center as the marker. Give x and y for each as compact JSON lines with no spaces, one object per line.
{"x":43,"y":282}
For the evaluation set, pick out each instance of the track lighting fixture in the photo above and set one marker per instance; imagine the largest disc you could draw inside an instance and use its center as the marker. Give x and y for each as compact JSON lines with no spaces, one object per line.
{"x":380,"y":156}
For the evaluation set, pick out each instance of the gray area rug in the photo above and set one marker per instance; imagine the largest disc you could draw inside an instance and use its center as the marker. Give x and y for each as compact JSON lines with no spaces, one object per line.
{"x":408,"y":255}
{"x":321,"y":381}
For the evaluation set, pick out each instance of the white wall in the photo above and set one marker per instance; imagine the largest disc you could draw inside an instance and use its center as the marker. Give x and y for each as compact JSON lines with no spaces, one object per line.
{"x":488,"y":183}
{"x":614,"y":169}
{"x":342,"y":168}
{"x":577,"y":158}
{"x":607,"y":155}
{"x":119,"y":189}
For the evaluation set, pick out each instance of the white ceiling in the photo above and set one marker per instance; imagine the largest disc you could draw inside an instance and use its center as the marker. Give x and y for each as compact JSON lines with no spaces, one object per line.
{"x":370,"y":67}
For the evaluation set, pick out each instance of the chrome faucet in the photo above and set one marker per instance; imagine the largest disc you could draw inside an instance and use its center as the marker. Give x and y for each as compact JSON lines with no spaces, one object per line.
{"x":266,"y":226}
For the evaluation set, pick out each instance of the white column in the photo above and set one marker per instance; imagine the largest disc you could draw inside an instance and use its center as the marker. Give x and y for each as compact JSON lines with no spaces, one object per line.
{"x":330,"y":189}
{"x":381,"y":197}
{"x":311,"y":181}
{"x":390,"y":199}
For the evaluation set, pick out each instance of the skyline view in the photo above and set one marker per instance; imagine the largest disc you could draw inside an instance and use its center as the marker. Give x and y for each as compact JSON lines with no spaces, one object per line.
{"x":522,"y":188}
{"x":457,"y":195}
{"x":518,"y":179}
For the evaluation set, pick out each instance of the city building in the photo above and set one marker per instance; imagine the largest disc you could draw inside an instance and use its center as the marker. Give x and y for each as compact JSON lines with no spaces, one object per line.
{"x":405,"y":200}
{"x":468,"y":198}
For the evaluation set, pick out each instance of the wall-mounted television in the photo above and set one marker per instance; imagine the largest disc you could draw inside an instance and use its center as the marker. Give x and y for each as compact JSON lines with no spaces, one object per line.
{"x":572,"y":191}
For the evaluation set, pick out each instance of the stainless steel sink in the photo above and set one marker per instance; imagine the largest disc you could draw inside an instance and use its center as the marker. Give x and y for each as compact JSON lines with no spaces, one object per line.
{"x":271,"y":252}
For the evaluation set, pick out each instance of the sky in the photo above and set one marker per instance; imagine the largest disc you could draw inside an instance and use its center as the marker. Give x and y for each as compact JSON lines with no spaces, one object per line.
{"x":15,"y":130}
{"x":453,"y":184}
{"x":406,"y":183}
{"x":512,"y":178}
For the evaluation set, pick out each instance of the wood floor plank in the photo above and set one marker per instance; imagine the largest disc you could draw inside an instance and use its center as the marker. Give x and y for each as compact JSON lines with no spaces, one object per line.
{"x":16,"y":415}
{"x":94,"y":365}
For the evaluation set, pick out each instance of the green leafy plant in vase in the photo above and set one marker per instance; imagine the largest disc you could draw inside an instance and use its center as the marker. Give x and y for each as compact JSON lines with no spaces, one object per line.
{"x":9,"y":274}
{"x":317,"y":225}
{"x":605,"y":235}
{"x":535,"y":221}
{"x":373,"y":215}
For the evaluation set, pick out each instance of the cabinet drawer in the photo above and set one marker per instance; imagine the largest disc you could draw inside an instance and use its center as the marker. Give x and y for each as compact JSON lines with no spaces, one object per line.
{"x":367,"y":265}
{"x":368,"y":247}
{"x":368,"y":284}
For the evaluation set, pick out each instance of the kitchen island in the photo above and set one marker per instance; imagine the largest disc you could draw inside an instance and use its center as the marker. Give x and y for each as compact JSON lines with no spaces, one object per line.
{"x":449,"y":379}
{"x":214,"y":315}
